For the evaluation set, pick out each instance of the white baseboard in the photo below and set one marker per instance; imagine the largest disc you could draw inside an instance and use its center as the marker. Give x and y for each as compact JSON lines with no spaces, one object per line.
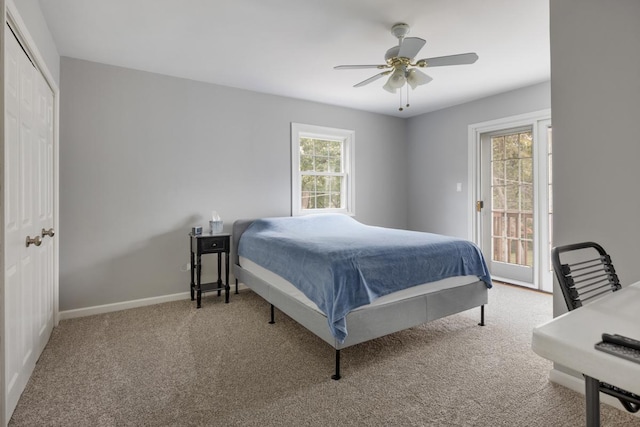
{"x":577,"y":384}
{"x":567,"y":380}
{"x":108,"y":308}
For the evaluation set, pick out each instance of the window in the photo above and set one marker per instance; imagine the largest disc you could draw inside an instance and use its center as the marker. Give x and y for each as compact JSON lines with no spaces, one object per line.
{"x":321,"y":169}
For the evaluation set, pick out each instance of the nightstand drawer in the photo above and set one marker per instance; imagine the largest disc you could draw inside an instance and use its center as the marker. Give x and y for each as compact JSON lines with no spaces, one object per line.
{"x":213,"y":244}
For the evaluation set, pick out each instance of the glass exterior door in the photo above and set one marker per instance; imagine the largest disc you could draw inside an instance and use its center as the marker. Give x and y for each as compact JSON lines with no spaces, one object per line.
{"x":512,"y":189}
{"x":509,"y":200}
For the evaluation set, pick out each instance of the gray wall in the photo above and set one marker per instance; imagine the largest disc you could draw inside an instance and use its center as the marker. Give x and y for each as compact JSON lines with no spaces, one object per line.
{"x":144,"y":157}
{"x":595,"y":111}
{"x":437,"y":156}
{"x":31,"y":15}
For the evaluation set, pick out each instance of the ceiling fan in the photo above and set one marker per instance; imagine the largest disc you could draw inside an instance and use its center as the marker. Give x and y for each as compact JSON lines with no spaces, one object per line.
{"x":399,"y":66}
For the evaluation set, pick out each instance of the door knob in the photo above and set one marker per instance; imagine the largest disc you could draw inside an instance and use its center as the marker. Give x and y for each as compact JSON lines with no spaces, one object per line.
{"x":48,"y":232}
{"x":35,"y":241}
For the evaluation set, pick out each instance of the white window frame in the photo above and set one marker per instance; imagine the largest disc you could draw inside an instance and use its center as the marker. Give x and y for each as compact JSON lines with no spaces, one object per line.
{"x":347,"y":137}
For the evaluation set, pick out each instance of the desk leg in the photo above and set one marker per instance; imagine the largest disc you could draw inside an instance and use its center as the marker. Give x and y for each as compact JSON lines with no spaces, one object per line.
{"x":193,"y":267}
{"x":592,"y":393}
{"x":226,"y":278}
{"x":198,"y":288}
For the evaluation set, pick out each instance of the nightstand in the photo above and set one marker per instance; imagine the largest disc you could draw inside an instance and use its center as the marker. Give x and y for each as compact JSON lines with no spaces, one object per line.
{"x":209,"y":244}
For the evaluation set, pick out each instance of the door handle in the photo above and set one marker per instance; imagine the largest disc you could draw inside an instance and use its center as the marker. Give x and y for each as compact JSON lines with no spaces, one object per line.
{"x":34,"y":241}
{"x":48,"y":232}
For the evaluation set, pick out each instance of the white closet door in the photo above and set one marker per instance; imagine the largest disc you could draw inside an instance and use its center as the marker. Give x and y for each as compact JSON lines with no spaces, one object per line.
{"x":43,"y":212}
{"x":28,"y":177}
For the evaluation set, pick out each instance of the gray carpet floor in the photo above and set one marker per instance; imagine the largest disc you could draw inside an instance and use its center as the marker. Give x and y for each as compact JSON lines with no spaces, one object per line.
{"x":224,"y":365}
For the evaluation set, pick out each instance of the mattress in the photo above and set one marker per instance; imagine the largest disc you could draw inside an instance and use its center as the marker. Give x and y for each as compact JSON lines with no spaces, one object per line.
{"x":286,"y":287}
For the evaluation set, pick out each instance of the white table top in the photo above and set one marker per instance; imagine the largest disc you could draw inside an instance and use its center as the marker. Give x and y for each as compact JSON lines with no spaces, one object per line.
{"x":569,"y":339}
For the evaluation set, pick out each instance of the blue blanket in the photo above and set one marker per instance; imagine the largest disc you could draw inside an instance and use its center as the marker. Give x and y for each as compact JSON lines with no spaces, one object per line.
{"x":341,"y":264}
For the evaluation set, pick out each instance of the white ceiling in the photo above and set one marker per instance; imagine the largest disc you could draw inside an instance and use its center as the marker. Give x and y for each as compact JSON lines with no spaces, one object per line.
{"x":289,"y":47}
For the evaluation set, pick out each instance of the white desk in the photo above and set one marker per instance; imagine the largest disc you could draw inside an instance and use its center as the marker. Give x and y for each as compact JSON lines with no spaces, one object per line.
{"x":569,"y":340}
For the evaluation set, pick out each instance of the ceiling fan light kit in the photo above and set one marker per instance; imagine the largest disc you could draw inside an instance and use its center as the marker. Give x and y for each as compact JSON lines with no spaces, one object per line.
{"x":399,"y":66}
{"x":396,"y":80}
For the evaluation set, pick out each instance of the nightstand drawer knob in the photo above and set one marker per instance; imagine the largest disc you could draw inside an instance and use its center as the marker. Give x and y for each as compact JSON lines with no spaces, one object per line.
{"x":214,"y":245}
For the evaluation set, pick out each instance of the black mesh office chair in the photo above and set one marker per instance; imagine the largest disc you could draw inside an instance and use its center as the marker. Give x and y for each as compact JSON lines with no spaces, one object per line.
{"x":586,"y":273}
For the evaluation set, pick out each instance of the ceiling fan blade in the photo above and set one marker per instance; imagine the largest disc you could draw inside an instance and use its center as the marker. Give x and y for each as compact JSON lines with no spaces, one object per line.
{"x":357,"y":67}
{"x":462,"y":58}
{"x":410,"y":47}
{"x":372,"y":79}
{"x":417,"y":78}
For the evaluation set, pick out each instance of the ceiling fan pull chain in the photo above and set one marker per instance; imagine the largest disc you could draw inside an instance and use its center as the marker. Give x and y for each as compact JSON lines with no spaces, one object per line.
{"x":407,"y":96}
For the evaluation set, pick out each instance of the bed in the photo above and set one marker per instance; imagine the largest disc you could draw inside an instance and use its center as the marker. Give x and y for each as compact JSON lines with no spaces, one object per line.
{"x":348,"y":283}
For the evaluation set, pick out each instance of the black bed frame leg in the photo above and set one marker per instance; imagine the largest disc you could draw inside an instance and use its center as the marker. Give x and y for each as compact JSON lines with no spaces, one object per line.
{"x":481,"y":315}
{"x":336,"y":376}
{"x":273,"y":320}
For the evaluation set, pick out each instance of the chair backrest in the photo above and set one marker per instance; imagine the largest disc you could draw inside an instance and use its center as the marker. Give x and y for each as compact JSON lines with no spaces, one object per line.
{"x":586,"y":272}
